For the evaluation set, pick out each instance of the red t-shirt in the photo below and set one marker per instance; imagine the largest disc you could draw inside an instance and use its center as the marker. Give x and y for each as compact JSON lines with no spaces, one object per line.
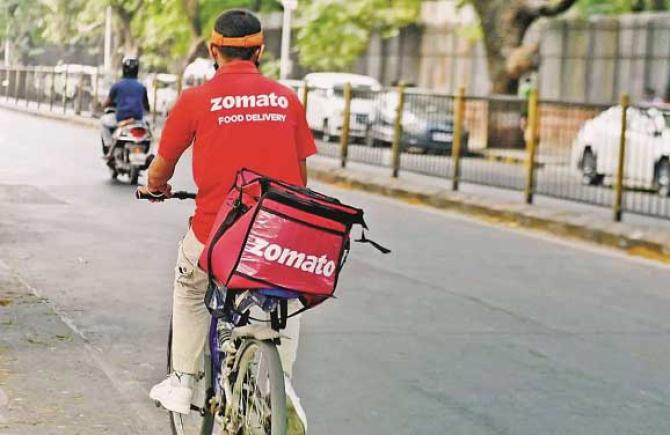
{"x":238,"y":119}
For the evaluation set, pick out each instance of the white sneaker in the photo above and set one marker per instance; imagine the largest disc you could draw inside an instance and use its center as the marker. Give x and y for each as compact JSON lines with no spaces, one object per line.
{"x":294,"y":409}
{"x":174,"y":393}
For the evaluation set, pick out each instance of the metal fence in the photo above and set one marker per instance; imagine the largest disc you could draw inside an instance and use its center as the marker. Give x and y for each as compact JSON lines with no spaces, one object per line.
{"x":588,"y":153}
{"x":580,"y":152}
{"x":78,"y":91}
{"x":66,"y":91}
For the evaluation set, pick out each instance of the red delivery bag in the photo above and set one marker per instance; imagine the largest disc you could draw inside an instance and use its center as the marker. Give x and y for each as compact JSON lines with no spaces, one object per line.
{"x":270,"y":234}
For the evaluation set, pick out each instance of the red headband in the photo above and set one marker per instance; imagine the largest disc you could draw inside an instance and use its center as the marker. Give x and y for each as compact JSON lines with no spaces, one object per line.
{"x":247,"y":41}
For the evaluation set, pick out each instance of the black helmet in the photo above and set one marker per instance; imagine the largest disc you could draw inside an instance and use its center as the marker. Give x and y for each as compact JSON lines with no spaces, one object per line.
{"x":131,"y":67}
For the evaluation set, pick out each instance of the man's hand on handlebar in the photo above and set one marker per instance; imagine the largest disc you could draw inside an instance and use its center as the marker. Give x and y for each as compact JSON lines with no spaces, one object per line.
{"x":154,"y":194}
{"x":149,"y":195}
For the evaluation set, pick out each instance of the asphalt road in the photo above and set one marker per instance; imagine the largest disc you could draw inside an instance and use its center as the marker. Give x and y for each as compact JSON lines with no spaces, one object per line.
{"x":466,"y":328}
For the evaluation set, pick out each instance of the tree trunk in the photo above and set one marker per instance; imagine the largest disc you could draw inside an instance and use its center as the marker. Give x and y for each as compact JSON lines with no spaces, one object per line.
{"x":637,"y":6}
{"x":129,"y":43}
{"x":192,"y":10}
{"x":198,"y":49}
{"x":504,"y":24}
{"x":384,"y":48}
{"x":127,"y":39}
{"x":501,"y":35}
{"x":658,"y":5}
{"x":198,"y":46}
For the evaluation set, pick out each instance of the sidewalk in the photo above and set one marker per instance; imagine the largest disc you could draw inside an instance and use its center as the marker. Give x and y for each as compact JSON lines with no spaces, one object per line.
{"x":637,"y":235}
{"x":50,"y":382}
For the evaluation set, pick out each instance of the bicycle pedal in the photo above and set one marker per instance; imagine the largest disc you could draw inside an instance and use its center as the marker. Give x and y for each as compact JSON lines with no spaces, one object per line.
{"x":213,"y":405}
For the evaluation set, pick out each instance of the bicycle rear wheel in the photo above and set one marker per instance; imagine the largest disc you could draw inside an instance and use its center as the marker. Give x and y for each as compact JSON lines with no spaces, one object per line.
{"x":259,"y":398}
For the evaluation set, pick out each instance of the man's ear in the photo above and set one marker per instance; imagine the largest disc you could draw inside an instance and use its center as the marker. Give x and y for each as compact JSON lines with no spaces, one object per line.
{"x":213,"y":51}
{"x":259,"y":53}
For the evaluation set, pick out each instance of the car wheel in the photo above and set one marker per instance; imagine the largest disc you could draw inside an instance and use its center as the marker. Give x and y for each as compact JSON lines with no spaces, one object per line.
{"x":590,"y":174}
{"x":377,"y":143}
{"x":464,"y":143}
{"x":325,"y":132}
{"x":663,"y":178}
{"x":369,"y":140}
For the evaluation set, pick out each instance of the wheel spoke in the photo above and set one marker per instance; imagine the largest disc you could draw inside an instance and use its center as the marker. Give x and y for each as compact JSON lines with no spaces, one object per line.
{"x":253,"y":391}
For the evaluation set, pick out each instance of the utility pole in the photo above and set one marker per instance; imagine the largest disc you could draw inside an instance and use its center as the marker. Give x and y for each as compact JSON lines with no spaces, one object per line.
{"x":9,"y":13}
{"x":7,"y":44}
{"x":285,"y":62}
{"x":108,"y":43}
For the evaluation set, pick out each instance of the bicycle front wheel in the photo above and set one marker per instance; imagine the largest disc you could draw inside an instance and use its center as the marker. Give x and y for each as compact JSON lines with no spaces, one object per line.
{"x":259,"y":398}
{"x":193,"y":423}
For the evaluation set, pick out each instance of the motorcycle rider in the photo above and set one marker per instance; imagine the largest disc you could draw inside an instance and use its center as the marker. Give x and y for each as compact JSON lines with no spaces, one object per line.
{"x":238,"y":119}
{"x":129,"y":97}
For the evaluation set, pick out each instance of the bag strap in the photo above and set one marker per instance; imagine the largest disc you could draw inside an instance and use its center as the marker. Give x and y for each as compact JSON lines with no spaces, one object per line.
{"x":279,"y":316}
{"x":234,"y":213}
{"x":376,"y":245}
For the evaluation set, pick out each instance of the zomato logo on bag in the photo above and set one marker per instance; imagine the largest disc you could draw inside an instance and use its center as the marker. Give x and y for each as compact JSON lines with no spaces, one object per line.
{"x":288,"y":257}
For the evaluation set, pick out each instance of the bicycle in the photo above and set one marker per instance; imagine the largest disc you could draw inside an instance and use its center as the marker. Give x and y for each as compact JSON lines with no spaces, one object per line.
{"x":241,"y":388}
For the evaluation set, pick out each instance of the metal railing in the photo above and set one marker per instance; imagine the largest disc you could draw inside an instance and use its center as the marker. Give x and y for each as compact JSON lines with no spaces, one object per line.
{"x":80,"y":91}
{"x":587,"y":153}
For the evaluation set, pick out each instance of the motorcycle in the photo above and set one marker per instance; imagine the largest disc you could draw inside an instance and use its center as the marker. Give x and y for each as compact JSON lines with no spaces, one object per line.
{"x":126,"y":146}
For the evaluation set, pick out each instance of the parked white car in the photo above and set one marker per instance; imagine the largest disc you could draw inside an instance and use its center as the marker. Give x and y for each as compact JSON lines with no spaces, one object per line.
{"x":325,"y":103}
{"x":296,"y":86}
{"x":595,"y":151}
{"x":198,"y":72}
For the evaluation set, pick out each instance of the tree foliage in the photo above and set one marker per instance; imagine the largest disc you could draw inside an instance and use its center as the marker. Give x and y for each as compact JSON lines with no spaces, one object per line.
{"x":333,"y":34}
{"x":22,"y":22}
{"x":504,"y":25}
{"x":610,"y":7}
{"x":165,"y":32}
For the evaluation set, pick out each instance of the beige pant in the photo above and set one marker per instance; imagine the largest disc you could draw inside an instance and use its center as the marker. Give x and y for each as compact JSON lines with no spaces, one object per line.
{"x":191,"y":320}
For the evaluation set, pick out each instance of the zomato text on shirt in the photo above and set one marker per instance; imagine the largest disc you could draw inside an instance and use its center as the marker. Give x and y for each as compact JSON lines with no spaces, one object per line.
{"x":252,"y":117}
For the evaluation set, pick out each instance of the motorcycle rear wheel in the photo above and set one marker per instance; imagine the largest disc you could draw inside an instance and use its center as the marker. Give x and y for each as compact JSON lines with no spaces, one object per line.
{"x":134,"y":176}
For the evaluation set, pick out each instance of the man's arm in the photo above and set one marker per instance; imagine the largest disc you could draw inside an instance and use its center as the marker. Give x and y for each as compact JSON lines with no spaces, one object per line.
{"x":160,"y":172}
{"x":177,"y":136}
{"x":110,"y":101}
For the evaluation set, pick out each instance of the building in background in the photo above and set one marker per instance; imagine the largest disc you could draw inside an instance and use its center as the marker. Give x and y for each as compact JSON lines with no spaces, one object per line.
{"x":582,"y":60}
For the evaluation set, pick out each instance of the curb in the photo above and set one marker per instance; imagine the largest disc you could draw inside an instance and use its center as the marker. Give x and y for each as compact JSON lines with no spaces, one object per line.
{"x":510,"y":160}
{"x":73,"y":119}
{"x":649,"y":243}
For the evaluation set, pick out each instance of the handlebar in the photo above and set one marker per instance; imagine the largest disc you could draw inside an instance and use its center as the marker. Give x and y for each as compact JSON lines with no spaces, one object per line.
{"x":160,"y":197}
